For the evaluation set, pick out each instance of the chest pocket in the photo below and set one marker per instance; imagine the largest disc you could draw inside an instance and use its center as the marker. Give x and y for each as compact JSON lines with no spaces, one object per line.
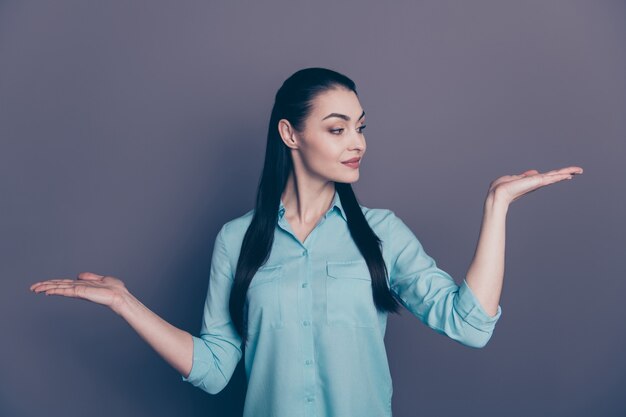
{"x":349,"y":300}
{"x":264,"y":303}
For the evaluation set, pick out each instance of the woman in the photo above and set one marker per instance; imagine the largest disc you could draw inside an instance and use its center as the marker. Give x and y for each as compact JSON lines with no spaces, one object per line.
{"x":303,"y":283}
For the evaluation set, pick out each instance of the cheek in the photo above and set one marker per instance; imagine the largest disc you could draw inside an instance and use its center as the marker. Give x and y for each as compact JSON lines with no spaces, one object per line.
{"x":324,"y":156}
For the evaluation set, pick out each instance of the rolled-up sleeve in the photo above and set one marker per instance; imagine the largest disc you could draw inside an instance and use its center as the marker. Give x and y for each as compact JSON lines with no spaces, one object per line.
{"x":431,"y":294}
{"x":217,"y":350}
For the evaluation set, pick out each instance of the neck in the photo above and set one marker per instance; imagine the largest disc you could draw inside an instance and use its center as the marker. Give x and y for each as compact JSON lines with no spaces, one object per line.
{"x":305,"y":199}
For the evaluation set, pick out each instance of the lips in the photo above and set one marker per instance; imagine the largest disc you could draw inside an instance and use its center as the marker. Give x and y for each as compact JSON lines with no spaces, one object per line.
{"x":351,"y":160}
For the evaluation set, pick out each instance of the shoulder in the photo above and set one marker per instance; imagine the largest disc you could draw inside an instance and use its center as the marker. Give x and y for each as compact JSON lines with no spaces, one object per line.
{"x":381,"y":220}
{"x":378,"y":217}
{"x":232,"y":232}
{"x":389,"y":226}
{"x":238,"y":225}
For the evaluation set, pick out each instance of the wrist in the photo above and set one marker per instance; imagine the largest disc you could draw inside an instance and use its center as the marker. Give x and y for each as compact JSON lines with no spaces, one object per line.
{"x":496,"y":203}
{"x":123,"y":302}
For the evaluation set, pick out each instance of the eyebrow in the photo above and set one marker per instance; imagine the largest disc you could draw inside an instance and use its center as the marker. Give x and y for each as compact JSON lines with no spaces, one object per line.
{"x":343,"y":116}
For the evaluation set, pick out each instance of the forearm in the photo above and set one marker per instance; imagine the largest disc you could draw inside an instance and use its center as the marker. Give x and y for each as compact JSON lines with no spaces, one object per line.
{"x":486,"y":272}
{"x":173,"y":344}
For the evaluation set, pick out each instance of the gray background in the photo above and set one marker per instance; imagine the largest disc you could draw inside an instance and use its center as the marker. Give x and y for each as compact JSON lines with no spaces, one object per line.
{"x":131,"y":131}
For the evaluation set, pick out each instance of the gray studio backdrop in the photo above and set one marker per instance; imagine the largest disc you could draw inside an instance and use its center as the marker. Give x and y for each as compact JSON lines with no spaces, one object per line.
{"x":131,"y":131}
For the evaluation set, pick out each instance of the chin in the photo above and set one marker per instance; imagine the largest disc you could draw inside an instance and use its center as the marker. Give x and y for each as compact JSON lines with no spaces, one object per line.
{"x":348,"y":179}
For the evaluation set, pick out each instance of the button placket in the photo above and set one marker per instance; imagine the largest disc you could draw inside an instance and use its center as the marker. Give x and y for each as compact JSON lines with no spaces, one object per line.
{"x":306,"y":328}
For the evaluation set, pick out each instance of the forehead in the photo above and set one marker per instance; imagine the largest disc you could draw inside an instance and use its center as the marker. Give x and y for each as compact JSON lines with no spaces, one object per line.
{"x":336,"y":100}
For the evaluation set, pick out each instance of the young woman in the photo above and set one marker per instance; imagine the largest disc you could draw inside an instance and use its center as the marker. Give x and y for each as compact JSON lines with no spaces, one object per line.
{"x":302,"y":284}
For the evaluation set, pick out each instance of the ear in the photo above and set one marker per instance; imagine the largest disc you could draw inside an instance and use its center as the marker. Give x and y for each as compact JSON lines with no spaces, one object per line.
{"x":287,"y":134}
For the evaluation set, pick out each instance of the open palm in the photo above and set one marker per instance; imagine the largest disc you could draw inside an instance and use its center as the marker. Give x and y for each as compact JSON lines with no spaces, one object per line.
{"x":512,"y":187}
{"x":99,"y":289}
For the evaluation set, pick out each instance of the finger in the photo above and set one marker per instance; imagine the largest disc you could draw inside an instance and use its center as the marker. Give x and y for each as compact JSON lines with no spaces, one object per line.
{"x":61,"y":280}
{"x":45,"y":287}
{"x":567,"y":170}
{"x":79,"y":291}
{"x":554,"y":172}
{"x":551,"y":179}
{"x":73,"y":284}
{"x":67,"y":292}
{"x":51,"y":281}
{"x":90,"y":276}
{"x":573,"y":170}
{"x":541,"y":180}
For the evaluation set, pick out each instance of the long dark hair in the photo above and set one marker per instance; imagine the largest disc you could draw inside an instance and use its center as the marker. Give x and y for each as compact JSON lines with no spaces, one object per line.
{"x":293,"y":102}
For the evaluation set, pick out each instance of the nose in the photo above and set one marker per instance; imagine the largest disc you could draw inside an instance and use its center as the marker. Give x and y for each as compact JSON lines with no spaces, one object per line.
{"x":358,"y":143}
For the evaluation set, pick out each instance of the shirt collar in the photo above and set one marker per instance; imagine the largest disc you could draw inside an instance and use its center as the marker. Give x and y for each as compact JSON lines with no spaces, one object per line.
{"x":335,"y":205}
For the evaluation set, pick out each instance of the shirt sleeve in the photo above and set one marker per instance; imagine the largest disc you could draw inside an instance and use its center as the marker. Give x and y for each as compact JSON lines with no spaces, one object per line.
{"x":431,"y":294}
{"x":217,"y":350}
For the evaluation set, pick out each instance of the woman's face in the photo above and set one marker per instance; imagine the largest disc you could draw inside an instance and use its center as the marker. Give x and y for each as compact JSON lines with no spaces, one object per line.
{"x":332,"y":134}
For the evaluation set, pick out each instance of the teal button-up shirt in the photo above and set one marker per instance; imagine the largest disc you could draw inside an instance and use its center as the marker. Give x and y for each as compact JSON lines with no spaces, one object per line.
{"x":316,"y":341}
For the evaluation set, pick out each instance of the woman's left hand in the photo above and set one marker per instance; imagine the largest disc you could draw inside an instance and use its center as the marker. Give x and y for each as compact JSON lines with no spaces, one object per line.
{"x":511,"y":187}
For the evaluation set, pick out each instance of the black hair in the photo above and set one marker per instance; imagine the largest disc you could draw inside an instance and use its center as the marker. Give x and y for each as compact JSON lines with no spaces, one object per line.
{"x":293,"y":102}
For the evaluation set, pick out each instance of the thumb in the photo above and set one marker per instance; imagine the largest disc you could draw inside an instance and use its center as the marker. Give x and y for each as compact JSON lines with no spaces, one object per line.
{"x":529,"y":172}
{"x":90,"y":276}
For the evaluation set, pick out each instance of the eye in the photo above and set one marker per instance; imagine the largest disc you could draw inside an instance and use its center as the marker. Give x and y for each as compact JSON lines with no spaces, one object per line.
{"x":339,"y":130}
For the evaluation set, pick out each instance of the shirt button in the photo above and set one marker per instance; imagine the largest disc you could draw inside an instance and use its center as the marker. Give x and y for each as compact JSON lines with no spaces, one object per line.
{"x":306,"y":322}
{"x":304,"y":253}
{"x":308,"y":361}
{"x":305,"y":284}
{"x":310,"y":399}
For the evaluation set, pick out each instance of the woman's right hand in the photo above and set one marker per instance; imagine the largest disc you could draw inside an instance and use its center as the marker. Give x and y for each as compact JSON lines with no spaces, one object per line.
{"x":101,"y":289}
{"x":173,"y":344}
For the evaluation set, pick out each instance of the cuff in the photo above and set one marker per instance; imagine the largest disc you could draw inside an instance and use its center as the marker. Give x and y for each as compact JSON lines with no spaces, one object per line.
{"x":199,"y":364}
{"x":472,"y":311}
